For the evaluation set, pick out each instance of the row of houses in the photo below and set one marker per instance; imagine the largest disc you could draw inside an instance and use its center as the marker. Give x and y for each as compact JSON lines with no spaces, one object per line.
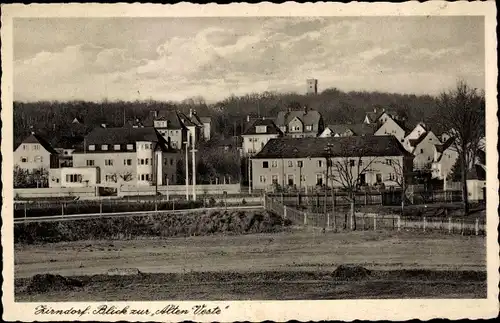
{"x":289,"y":150}
{"x":139,"y":153}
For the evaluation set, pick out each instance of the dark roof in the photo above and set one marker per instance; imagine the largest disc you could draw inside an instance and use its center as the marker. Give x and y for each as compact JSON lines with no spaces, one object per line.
{"x":354,"y":146}
{"x":127,"y":135}
{"x":67,"y":142}
{"x":360,"y":129}
{"x":373,"y":116}
{"x":196,"y":119}
{"x":134,"y":123}
{"x":171,"y":116}
{"x":308,"y":117}
{"x":415,"y":142}
{"x":477,"y":172}
{"x":36,"y":139}
{"x":442,"y":147}
{"x":185,"y":120}
{"x":271,"y":127}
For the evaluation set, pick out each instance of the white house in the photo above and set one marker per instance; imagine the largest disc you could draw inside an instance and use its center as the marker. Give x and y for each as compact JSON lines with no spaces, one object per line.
{"x":392,"y":127}
{"x":445,"y":157}
{"x":419,"y":129}
{"x":257,"y":136}
{"x":423,"y":148}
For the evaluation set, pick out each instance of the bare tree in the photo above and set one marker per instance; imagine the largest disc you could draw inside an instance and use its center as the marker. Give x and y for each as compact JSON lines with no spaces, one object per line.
{"x":348,"y":171}
{"x":402,"y":174}
{"x":462,"y":112}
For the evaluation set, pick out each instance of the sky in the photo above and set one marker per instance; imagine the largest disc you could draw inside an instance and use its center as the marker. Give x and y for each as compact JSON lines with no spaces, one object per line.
{"x":177,"y":58}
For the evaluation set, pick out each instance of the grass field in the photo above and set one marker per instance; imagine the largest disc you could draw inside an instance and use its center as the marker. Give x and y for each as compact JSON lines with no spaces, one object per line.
{"x":252,"y":255}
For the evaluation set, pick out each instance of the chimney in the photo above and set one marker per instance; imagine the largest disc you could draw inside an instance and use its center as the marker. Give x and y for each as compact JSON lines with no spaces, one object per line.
{"x":190,"y":113}
{"x":248,"y":118}
{"x":103,"y":125}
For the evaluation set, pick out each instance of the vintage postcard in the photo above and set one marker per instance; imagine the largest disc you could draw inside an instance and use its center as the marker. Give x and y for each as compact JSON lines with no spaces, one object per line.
{"x":249,"y":162}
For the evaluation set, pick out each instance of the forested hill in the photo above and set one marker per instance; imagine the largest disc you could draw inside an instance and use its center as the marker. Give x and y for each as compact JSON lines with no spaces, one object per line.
{"x":53,"y":119}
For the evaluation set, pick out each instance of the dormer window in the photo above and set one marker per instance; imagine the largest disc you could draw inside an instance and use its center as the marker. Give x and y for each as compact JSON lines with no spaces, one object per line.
{"x":260,"y":129}
{"x":116,"y":147}
{"x":91,"y":147}
{"x":309,"y":128}
{"x":130,"y":147}
{"x":104,"y":147}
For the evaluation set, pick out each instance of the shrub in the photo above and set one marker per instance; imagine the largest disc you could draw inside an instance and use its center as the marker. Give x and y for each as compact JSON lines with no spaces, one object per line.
{"x":244,"y":202}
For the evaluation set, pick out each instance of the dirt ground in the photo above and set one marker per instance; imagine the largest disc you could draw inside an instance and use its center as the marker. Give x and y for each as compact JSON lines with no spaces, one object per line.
{"x":306,"y":252}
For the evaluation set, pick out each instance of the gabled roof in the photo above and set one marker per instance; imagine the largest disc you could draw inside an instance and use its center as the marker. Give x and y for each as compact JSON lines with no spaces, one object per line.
{"x":196,"y":120}
{"x":36,"y":139}
{"x":373,"y":116}
{"x":415,"y":142}
{"x":442,"y":147}
{"x":271,"y":128}
{"x":359,"y":129}
{"x":171,"y":116}
{"x":127,"y":135}
{"x":354,"y":146}
{"x":185,"y":120}
{"x":308,"y":117}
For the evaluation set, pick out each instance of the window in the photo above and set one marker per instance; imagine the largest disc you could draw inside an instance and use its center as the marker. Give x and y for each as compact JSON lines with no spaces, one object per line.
{"x":116,"y":147}
{"x":290,"y":163}
{"x":140,"y":161}
{"x":388,"y":161}
{"x":24,"y":159}
{"x":110,"y":178}
{"x":90,"y":162}
{"x":262,"y":178}
{"x":302,"y":178}
{"x":360,"y":163}
{"x":127,"y":162}
{"x":275,"y":179}
{"x":320,"y":163}
{"x":104,"y":147}
{"x":24,"y":147}
{"x":319,"y":179}
{"x":171,"y":161}
{"x":74,"y":178}
{"x":148,"y":177}
{"x":274,"y":163}
{"x":421,"y":151}
{"x":260,"y":129}
{"x":299,"y":163}
{"x":309,"y":128}
{"x":38,"y":159}
{"x":290,"y":180}
{"x":36,"y":147}
{"x":108,"y":162}
{"x":91,"y":147}
{"x":165,"y":161}
{"x":130,"y":147}
{"x":265,"y":164}
{"x":379,"y":178}
{"x":352,"y":163}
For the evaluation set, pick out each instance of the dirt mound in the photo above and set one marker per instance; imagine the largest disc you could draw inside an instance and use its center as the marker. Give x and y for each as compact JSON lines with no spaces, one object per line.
{"x":351,"y":272}
{"x":42,"y":283}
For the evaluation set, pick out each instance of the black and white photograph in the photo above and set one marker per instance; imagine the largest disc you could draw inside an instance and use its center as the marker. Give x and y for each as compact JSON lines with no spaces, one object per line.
{"x":220,"y":155}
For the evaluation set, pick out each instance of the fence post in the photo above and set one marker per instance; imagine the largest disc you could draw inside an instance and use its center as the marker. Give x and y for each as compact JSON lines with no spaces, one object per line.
{"x":305,"y":218}
{"x":425,"y":222}
{"x":173,"y":205}
{"x":462,"y":226}
{"x":399,"y":222}
{"x":477,"y":226}
{"x":156,"y":205}
{"x":328,"y":220}
{"x":374,"y":222}
{"x":62,"y":208}
{"x":366,"y":198}
{"x":265,"y":202}
{"x":25,"y":212}
{"x":284,"y":211}
{"x":449,"y":224}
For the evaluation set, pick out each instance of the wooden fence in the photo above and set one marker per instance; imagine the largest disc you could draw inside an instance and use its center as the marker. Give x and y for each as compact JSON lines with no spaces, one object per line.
{"x":335,"y":221}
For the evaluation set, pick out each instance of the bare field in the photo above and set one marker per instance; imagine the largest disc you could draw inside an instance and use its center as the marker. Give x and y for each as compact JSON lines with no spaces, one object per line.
{"x":243,"y":262}
{"x":256,"y":252}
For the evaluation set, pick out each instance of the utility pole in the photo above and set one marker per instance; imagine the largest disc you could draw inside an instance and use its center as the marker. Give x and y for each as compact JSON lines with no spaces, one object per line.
{"x":187,"y":172}
{"x":249,"y":177}
{"x":193,"y":151}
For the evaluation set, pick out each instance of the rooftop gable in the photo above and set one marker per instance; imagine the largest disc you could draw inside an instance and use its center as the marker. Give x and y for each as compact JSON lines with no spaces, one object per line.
{"x":37,"y":139}
{"x":271,"y":127}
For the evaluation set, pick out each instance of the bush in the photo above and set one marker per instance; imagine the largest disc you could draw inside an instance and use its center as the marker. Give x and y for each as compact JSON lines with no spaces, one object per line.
{"x":244,"y":202}
{"x":216,"y":222}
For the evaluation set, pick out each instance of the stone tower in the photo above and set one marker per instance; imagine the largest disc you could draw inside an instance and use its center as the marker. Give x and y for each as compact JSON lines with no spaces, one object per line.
{"x":312,"y":86}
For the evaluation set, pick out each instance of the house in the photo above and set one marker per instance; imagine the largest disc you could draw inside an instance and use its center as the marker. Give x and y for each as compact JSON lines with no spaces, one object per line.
{"x":476,"y":183}
{"x":300,"y":123}
{"x":257,"y":135}
{"x":423,"y":149}
{"x":35,"y":153}
{"x":445,"y":157}
{"x":291,"y":162}
{"x":74,"y":177}
{"x":127,"y":156}
{"x":170,"y":126}
{"x":65,"y":145}
{"x":391,"y":126}
{"x":345,"y":130}
{"x":419,"y":129}
{"x":194,"y":129}
{"x":205,"y":123}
